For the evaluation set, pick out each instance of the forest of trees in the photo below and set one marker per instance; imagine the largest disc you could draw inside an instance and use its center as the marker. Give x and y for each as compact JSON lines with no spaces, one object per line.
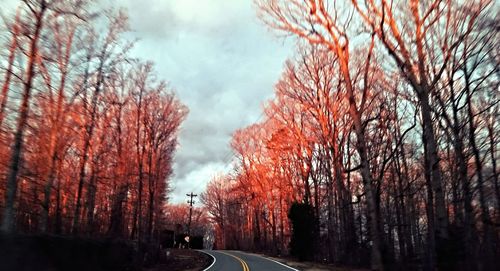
{"x":385,"y":123}
{"x":383,"y":129}
{"x":88,"y":132}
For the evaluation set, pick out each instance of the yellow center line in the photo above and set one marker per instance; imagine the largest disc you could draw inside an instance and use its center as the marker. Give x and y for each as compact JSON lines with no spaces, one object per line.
{"x":243,"y":263}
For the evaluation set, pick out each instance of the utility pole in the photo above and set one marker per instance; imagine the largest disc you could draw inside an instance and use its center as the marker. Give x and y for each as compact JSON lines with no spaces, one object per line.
{"x":191,"y":202}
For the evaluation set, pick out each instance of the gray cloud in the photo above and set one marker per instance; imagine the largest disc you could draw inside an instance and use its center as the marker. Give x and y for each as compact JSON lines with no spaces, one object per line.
{"x":222,"y":63}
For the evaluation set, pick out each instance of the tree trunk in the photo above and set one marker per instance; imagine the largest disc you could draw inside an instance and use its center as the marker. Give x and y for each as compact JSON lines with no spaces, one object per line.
{"x":491,"y":137}
{"x":17,"y":148}
{"x":89,"y":131}
{"x":91,"y":194}
{"x":137,"y":228}
{"x":53,"y":147}
{"x":151,"y":192}
{"x":44,"y":216}
{"x":58,"y":219}
{"x":375,"y":234}
{"x":488,"y":243}
{"x":469,"y":225}
{"x":121,"y":189}
{"x":433,"y":169}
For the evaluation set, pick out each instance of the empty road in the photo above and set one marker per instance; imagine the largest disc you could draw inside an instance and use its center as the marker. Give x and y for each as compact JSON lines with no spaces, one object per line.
{"x":229,"y":260}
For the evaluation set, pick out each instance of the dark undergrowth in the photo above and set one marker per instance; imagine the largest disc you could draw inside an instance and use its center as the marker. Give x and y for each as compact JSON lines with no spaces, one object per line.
{"x":58,"y":253}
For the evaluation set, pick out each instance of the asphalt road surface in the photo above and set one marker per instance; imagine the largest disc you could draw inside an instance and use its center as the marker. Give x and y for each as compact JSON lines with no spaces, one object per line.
{"x":229,"y":260}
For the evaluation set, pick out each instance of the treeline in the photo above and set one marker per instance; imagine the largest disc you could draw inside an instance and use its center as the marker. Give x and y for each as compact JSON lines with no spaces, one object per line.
{"x":386,"y":124}
{"x":88,"y":132}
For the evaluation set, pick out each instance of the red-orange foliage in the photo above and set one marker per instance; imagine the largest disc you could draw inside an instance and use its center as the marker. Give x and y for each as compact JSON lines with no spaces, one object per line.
{"x":91,"y":110}
{"x":387,"y":155}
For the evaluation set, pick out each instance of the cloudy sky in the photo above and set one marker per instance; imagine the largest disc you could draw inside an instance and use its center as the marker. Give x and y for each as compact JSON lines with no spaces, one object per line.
{"x":221,"y":61}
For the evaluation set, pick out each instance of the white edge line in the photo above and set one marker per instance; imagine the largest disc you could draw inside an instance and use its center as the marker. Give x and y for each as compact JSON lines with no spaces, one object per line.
{"x":210,"y":266}
{"x":266,"y":258}
{"x":291,"y":268}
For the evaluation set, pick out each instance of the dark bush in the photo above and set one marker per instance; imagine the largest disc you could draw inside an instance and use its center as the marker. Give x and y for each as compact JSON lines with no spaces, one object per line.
{"x":196,"y":242}
{"x":301,"y":216}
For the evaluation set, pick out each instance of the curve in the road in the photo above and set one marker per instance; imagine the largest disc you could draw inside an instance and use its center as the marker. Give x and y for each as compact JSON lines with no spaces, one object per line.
{"x":243,"y":263}
{"x":215,"y":260}
{"x":223,"y":261}
{"x":237,"y":260}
